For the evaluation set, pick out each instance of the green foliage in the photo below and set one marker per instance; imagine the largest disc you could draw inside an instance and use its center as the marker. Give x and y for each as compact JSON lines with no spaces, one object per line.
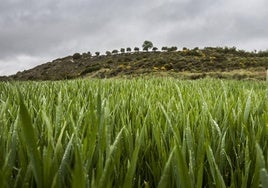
{"x":134,"y":133}
{"x":172,"y":49}
{"x":76,"y":56}
{"x":128,"y":49}
{"x":147,"y":45}
{"x":155,"y":49}
{"x":92,"y":69}
{"x":115,"y":52}
{"x":30,"y":139}
{"x":122,"y":50}
{"x":164,"y":48}
{"x":136,"y":49}
{"x":108,"y":53}
{"x":263,"y":53}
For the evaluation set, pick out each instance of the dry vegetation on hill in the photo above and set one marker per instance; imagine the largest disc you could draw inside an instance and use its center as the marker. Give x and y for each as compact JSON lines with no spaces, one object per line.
{"x":218,"y":62}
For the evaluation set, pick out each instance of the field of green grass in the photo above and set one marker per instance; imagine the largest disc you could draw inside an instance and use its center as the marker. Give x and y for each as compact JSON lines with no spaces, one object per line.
{"x":156,"y":132}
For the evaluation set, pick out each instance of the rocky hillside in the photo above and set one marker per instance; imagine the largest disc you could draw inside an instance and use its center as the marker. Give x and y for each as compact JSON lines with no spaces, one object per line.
{"x":189,"y":64}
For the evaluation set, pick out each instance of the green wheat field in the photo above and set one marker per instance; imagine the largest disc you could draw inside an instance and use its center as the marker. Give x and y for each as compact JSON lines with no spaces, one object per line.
{"x":155,"y":132}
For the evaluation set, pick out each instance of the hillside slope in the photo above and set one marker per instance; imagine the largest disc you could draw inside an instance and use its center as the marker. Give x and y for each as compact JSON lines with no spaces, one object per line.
{"x":190,"y":64}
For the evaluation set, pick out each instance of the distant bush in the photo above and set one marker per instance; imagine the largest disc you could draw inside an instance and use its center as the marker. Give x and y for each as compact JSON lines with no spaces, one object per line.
{"x":110,"y":61}
{"x":138,"y":58}
{"x":239,"y":76}
{"x":76,"y":56}
{"x":192,"y":53}
{"x":128,"y":49}
{"x":127,"y":59}
{"x":90,"y":69}
{"x":108,"y":53}
{"x":136,"y":49}
{"x":161,"y":61}
{"x":263,"y":53}
{"x":197,"y":76}
{"x":164,"y":48}
{"x":168,"y":66}
{"x":115,"y":52}
{"x":122,"y":50}
{"x":155,"y":49}
{"x":172,"y":49}
{"x":85,"y":55}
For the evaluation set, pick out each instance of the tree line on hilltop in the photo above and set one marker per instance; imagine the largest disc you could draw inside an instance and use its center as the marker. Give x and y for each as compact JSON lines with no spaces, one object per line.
{"x":148,"y":45}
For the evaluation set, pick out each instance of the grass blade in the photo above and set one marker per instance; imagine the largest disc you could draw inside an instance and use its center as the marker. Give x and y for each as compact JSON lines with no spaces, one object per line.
{"x":165,"y":177}
{"x":134,"y":158}
{"x":181,"y":169}
{"x":106,"y":172}
{"x":30,"y":138}
{"x":217,"y":177}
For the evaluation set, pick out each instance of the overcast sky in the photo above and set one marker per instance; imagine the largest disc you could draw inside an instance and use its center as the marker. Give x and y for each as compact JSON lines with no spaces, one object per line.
{"x":34,"y":32}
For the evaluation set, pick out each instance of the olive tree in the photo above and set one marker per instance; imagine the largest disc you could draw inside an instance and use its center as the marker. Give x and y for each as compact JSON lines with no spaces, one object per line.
{"x":155,"y":49}
{"x":147,"y":45}
{"x":136,"y":49}
{"x":128,"y":49}
{"x":108,"y":53}
{"x":115,"y":52}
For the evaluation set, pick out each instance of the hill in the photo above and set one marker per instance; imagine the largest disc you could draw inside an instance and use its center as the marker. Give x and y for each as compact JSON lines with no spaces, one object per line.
{"x":216,"y":62}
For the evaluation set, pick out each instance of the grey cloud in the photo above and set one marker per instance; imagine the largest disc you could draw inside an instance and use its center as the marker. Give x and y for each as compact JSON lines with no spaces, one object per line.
{"x":219,"y":24}
{"x":47,"y":29}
